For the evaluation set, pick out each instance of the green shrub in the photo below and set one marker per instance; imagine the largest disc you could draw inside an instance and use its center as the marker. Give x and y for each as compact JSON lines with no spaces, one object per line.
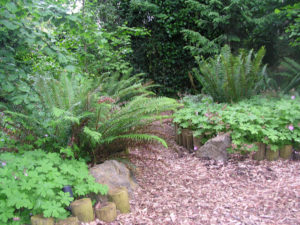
{"x":273,"y":121}
{"x":31,"y":183}
{"x":230,"y":78}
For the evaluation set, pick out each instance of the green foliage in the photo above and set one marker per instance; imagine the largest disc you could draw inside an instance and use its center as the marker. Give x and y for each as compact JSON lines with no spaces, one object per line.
{"x":94,"y":113}
{"x":289,"y":79}
{"x":32,"y":184}
{"x":230,"y":78}
{"x":273,"y":121}
{"x":292,"y":13}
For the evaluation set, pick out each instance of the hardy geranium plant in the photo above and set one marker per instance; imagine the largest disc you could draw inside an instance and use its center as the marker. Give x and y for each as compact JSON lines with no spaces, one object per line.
{"x":273,"y":121}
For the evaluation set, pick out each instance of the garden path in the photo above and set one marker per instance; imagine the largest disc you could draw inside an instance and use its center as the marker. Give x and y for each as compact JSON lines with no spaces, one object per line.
{"x":182,"y":189}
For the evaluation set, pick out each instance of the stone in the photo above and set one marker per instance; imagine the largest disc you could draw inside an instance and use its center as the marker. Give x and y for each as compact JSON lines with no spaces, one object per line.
{"x":40,"y":220}
{"x":215,"y":148}
{"x":114,"y":174}
{"x":69,"y":221}
{"x":83,"y":209}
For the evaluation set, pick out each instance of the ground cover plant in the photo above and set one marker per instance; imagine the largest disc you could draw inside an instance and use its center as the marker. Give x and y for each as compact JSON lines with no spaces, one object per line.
{"x":31,"y":184}
{"x":270,"y":120}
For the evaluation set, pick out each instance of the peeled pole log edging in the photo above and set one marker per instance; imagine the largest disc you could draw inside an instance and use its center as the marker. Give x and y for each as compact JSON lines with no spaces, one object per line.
{"x":40,"y":220}
{"x":120,"y":197}
{"x":271,"y":155}
{"x":187,"y":139}
{"x":83,"y":209}
{"x":107,"y":213}
{"x":261,"y":152}
{"x":69,"y":221}
{"x":286,"y":152}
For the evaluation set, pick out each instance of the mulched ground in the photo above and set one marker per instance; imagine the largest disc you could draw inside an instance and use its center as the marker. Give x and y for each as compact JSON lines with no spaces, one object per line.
{"x":178,"y":188}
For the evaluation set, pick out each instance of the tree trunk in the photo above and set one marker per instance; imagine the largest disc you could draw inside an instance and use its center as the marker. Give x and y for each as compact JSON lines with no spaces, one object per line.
{"x":83,"y":209}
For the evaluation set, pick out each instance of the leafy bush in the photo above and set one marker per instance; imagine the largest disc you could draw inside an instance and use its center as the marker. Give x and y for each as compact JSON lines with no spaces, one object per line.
{"x":32,"y":184}
{"x":230,"y":78}
{"x":273,"y":121}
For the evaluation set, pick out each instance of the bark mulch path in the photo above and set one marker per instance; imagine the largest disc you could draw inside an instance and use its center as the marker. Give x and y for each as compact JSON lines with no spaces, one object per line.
{"x":182,"y":189}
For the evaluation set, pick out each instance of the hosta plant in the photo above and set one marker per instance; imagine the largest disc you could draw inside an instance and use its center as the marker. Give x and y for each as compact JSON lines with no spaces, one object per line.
{"x":31,"y":184}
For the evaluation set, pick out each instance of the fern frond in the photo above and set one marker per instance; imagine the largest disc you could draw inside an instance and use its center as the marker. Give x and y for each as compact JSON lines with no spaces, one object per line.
{"x":137,"y":137}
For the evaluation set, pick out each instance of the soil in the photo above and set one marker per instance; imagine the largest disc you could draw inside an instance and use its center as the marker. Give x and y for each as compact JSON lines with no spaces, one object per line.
{"x":177,"y":188}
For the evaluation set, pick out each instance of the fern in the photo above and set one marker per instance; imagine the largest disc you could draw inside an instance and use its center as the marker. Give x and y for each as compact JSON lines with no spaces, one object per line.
{"x":230,"y":78}
{"x":96,"y":114}
{"x":289,"y":79}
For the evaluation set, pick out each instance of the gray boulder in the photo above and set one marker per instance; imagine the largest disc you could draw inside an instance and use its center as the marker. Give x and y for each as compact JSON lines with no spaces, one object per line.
{"x":114,"y":174}
{"x":215,"y":148}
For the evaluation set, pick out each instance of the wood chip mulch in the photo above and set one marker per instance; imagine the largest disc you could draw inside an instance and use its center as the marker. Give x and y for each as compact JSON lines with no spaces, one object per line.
{"x":178,"y":188}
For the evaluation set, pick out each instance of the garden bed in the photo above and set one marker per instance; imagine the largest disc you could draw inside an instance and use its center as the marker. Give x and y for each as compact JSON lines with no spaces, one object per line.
{"x":181,"y":189}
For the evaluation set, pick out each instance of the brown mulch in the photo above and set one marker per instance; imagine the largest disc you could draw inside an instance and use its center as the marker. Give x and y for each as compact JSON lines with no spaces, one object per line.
{"x":182,"y":189}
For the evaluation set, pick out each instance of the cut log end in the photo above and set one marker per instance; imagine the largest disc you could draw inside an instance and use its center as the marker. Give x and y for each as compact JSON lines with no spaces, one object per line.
{"x":286,"y":152}
{"x":83,"y":209}
{"x":107,"y":213}
{"x":120,"y":197}
{"x":40,"y":220}
{"x":261,"y":152}
{"x":271,"y":155}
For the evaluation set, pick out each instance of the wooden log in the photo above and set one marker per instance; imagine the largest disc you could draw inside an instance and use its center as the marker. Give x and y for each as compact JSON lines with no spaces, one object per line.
{"x":271,"y":155}
{"x":197,"y":142}
{"x":261,"y":152}
{"x":120,"y":197}
{"x":286,"y":152}
{"x":40,"y":220}
{"x":176,"y":133}
{"x":83,"y":210}
{"x":107,"y":213}
{"x":184,"y":137}
{"x":180,"y":139}
{"x":189,"y":141}
{"x":69,"y":221}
